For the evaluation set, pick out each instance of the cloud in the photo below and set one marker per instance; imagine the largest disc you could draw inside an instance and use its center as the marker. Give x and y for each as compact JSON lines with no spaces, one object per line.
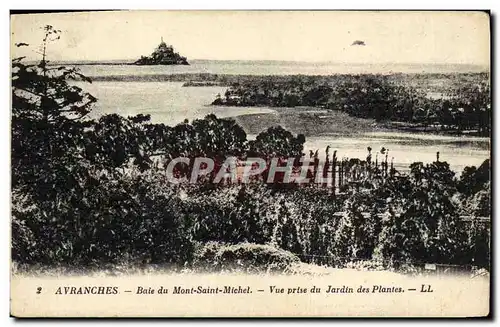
{"x":358,"y":42}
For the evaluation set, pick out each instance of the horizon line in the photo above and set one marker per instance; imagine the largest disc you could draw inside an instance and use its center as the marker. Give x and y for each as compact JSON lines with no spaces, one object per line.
{"x":122,"y":60}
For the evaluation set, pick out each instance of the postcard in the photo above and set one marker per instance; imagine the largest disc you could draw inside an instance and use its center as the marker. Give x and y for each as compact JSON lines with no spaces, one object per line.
{"x":250,"y":164}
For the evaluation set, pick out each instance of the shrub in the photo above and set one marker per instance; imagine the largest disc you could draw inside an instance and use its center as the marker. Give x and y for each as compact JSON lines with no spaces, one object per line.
{"x":244,"y":257}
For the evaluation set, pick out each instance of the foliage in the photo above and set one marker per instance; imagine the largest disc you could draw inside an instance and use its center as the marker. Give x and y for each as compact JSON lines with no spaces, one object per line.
{"x":87,"y":192}
{"x":126,"y":219}
{"x":277,"y":142}
{"x":245,"y":257}
{"x":46,"y":126}
{"x":465,"y":106}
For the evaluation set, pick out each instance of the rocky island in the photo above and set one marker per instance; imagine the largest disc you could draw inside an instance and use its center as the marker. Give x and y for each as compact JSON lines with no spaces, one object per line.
{"x":163,"y":55}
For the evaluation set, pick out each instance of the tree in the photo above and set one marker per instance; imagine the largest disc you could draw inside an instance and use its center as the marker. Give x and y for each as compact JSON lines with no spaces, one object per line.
{"x":277,"y":142}
{"x":218,"y":137}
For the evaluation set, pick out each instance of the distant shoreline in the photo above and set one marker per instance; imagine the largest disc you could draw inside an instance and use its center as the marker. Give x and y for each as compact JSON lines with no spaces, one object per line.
{"x":126,"y":70}
{"x":271,"y":62}
{"x":226,"y":79}
{"x":311,"y":123}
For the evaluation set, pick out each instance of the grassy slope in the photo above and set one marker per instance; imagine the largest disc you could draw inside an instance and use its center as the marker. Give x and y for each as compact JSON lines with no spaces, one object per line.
{"x":308,"y":121}
{"x":317,"y":122}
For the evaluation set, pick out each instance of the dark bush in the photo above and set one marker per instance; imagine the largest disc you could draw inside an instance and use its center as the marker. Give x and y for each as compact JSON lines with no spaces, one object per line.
{"x":245,"y":257}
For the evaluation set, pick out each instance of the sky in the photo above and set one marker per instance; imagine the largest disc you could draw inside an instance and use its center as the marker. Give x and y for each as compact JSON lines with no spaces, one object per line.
{"x":316,"y":36}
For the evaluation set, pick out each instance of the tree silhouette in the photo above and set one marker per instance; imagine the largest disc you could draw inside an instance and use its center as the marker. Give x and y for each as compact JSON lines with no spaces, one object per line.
{"x":47,"y":122}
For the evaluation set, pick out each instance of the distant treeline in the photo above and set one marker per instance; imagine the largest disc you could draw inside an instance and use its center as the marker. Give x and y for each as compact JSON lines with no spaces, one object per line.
{"x":438,"y":82}
{"x":463,"y":102}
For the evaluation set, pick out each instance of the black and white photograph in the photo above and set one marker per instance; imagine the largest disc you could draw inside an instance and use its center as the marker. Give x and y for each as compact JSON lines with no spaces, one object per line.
{"x":267,"y":163}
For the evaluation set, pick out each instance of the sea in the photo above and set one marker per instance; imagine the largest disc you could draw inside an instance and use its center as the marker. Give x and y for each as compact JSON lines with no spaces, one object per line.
{"x":268,"y":67}
{"x":171,"y":103}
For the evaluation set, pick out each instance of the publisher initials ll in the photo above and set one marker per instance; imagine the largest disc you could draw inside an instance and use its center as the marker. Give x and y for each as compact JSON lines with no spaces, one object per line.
{"x":426,"y":288}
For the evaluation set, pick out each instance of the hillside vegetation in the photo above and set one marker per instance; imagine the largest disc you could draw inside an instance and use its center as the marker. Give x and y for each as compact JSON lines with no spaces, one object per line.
{"x":94,"y":193}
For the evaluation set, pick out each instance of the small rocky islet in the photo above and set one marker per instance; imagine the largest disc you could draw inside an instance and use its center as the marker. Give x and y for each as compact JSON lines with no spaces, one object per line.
{"x":163,"y":55}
